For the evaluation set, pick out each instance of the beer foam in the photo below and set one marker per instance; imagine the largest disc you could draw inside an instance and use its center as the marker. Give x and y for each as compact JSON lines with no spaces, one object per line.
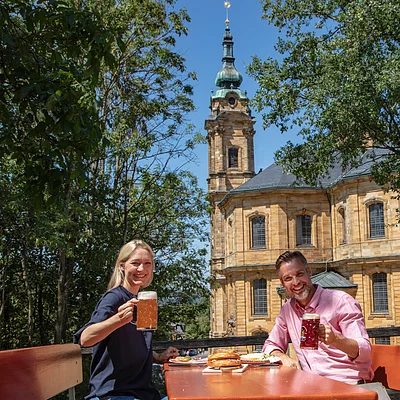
{"x":147,"y":295}
{"x":310,"y":316}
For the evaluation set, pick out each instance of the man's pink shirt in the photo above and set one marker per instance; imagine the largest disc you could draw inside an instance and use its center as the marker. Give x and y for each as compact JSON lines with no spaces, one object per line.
{"x":339,"y":310}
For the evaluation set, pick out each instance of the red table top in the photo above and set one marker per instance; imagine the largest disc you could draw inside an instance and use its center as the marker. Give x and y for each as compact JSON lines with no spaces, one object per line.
{"x":190,"y":383}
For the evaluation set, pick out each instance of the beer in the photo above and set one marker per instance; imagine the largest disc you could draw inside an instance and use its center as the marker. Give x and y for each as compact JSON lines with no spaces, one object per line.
{"x":147,"y":311}
{"x":309,"y":331}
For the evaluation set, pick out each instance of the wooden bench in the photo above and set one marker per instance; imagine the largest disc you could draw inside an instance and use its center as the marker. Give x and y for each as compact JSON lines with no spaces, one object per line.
{"x":39,"y":373}
{"x":386,"y":366}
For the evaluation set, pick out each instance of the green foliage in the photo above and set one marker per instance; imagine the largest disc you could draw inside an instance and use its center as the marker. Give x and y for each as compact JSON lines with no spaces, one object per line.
{"x":93,"y":143}
{"x":335,"y":81}
{"x":199,"y":324}
{"x":51,"y":58}
{"x":192,"y":312}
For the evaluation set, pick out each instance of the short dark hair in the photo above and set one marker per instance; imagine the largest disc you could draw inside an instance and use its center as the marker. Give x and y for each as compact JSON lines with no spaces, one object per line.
{"x":289,"y":256}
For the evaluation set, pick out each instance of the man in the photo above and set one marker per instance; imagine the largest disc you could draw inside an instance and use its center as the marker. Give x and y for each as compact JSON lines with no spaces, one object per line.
{"x":344,"y":349}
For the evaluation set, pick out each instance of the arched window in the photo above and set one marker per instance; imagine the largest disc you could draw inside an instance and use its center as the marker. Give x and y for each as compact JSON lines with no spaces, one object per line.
{"x":380,"y":293}
{"x":303,"y":230}
{"x":233,"y":157}
{"x":258,"y":233}
{"x":342,"y":226}
{"x":376,"y":221}
{"x":260,"y":297}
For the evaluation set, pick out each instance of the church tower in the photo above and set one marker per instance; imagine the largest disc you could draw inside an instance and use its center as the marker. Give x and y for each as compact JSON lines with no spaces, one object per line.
{"x":230,"y":131}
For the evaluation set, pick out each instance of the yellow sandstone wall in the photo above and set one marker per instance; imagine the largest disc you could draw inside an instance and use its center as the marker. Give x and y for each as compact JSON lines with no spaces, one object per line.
{"x":356,"y":260}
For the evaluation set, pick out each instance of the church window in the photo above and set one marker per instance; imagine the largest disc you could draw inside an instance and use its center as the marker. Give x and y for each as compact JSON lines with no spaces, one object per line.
{"x":376,"y":221}
{"x":233,"y":157}
{"x":232,"y":101}
{"x":380,"y":294}
{"x":258,"y":233}
{"x":303,"y":230}
{"x":260,"y":297}
{"x":342,"y":226}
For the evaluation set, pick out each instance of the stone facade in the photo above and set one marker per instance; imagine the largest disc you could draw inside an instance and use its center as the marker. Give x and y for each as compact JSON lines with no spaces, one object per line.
{"x":238,"y":264}
{"x":340,"y":235}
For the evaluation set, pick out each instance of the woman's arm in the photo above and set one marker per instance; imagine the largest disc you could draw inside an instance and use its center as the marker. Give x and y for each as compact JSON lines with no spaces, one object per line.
{"x":97,"y":332}
{"x":163,"y":357}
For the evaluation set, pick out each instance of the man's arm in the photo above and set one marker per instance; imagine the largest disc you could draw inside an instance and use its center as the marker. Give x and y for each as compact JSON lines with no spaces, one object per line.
{"x":286,"y":360}
{"x":348,"y":346}
{"x":277,"y":343}
{"x":350,"y":336}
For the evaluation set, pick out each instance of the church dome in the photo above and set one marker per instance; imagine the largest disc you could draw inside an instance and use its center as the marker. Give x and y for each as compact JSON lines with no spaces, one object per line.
{"x":229,"y":77}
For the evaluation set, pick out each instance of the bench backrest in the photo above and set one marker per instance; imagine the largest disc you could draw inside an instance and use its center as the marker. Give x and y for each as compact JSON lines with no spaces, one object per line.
{"x":38,"y":373}
{"x":386,"y":365}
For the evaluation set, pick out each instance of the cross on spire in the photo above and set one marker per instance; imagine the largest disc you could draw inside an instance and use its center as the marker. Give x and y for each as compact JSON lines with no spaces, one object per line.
{"x":227,"y":4}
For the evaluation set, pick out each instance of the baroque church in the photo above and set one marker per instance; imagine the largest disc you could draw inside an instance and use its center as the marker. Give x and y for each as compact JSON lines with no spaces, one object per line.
{"x":346,"y":228}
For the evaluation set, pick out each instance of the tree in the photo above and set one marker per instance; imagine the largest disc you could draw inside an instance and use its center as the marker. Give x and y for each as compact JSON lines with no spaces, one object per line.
{"x":51,"y":57}
{"x":168,"y":213}
{"x":336,"y":82}
{"x":28,"y":265}
{"x":92,"y":122}
{"x":199,"y":326}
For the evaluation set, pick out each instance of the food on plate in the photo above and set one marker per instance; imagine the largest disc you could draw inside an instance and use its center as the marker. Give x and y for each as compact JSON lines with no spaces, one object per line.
{"x":224,"y":360}
{"x":181,"y":359}
{"x":260,"y":358}
{"x":188,"y":360}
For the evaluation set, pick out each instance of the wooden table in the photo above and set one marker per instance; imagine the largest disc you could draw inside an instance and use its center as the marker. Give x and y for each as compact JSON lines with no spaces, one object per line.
{"x":190,"y":383}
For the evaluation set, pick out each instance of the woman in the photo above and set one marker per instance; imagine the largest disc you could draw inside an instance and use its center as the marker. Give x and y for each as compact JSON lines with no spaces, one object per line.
{"x":122,"y":359}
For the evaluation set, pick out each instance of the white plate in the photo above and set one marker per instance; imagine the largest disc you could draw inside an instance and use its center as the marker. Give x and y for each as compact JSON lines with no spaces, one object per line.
{"x":258,"y":358}
{"x":193,"y":361}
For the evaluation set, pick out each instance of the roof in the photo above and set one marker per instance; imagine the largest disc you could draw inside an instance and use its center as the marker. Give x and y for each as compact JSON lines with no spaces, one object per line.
{"x":221,"y":93}
{"x":332,"y":280}
{"x":273,"y":177}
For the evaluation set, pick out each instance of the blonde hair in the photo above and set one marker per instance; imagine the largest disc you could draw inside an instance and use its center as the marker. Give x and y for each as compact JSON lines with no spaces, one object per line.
{"x":125,"y":252}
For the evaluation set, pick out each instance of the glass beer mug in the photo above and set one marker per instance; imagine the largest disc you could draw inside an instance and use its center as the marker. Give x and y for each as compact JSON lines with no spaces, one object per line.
{"x":309,"y":331}
{"x":147,"y":311}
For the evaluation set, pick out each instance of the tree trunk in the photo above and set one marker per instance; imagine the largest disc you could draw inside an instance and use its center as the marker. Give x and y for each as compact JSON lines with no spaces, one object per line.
{"x":64,"y":283}
{"x":25,"y":276}
{"x":42,"y":329}
{"x":64,"y":278}
{"x":3,"y":264}
{"x":40,"y":324}
{"x":125,"y":215}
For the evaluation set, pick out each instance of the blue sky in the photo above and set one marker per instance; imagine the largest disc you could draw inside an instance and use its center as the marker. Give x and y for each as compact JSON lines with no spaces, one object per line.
{"x":203,"y":51}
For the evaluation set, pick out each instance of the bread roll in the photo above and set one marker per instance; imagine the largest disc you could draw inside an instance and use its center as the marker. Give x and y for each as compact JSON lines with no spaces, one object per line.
{"x":224,"y":360}
{"x":225,"y":363}
{"x":223,"y":355}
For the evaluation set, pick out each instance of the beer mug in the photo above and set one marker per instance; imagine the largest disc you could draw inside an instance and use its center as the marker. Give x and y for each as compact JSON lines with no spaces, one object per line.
{"x":309,"y":331}
{"x":147,"y":311}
